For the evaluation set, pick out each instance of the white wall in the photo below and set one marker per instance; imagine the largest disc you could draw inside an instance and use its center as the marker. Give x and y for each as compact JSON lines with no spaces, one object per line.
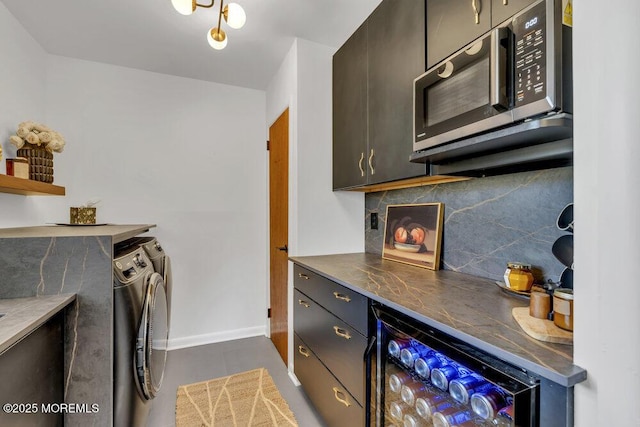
{"x":320,"y":221}
{"x":328,"y":222}
{"x":22,"y":93}
{"x":607,"y":201}
{"x":184,"y":154}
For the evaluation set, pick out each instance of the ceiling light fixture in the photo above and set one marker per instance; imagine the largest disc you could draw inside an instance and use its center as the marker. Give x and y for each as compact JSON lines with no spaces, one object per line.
{"x":233,"y":15}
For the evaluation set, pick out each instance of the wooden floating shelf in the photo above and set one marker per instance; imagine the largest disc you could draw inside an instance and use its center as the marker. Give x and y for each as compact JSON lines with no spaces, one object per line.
{"x":26,"y":187}
{"x":409,"y":183}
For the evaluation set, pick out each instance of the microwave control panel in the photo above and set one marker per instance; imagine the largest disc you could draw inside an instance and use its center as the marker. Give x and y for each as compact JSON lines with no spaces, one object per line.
{"x":529,"y":30}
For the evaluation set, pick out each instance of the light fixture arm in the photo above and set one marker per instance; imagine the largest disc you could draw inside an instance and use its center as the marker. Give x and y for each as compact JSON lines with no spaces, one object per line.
{"x":206,"y":5}
{"x":220,"y":14}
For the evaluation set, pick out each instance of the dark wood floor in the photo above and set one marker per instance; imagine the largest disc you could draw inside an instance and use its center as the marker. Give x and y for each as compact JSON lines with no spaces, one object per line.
{"x":195,"y":364}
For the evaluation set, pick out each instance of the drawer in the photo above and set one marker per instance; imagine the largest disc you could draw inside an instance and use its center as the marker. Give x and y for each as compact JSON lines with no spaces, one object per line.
{"x":330,"y":398}
{"x":348,"y":305}
{"x":339,"y":346}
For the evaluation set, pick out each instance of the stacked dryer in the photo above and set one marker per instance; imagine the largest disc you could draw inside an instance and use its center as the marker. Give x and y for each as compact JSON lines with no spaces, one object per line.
{"x":142,"y":295}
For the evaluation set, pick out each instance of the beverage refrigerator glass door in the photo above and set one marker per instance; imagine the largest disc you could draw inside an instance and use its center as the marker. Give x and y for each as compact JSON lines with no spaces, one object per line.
{"x":519,"y":70}
{"x":423,"y":377}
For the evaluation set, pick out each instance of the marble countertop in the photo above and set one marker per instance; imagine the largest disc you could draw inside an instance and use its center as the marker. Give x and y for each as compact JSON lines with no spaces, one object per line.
{"x":117,"y":232}
{"x":467,"y":307}
{"x":24,"y":315}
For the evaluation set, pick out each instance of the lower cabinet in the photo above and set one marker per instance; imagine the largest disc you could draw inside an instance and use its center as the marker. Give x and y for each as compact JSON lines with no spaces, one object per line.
{"x":330,"y":344}
{"x":340,"y":347}
{"x":331,"y":399}
{"x":32,"y":373}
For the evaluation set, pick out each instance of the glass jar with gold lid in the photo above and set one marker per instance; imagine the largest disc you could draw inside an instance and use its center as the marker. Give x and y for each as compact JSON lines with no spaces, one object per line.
{"x":518,"y":276}
{"x":563,"y":308}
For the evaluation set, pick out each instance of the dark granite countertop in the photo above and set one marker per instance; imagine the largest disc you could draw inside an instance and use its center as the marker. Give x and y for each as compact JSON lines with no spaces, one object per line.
{"x":117,"y":232}
{"x":467,"y":307}
{"x":24,"y":315}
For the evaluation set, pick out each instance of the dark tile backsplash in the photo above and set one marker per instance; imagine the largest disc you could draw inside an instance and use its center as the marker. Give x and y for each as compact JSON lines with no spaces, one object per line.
{"x":489,"y":221}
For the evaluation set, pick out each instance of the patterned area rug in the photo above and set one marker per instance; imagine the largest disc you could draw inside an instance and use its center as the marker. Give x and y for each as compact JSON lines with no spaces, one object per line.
{"x":246,"y":399}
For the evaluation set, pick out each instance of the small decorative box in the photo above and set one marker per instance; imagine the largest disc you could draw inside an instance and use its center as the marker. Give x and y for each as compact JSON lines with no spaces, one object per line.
{"x":18,"y":167}
{"x":82,"y":215}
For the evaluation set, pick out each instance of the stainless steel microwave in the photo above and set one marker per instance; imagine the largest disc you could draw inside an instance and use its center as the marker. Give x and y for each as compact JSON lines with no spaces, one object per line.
{"x":519,"y":70}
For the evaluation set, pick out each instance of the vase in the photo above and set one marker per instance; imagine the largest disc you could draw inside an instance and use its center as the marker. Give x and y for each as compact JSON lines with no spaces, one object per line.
{"x":40,"y":163}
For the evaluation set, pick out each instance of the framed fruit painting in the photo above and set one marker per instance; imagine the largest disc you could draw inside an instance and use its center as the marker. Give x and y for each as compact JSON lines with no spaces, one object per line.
{"x":413,"y":234}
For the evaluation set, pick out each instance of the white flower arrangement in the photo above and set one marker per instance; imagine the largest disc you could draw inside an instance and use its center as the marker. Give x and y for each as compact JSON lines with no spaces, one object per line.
{"x":39,"y":135}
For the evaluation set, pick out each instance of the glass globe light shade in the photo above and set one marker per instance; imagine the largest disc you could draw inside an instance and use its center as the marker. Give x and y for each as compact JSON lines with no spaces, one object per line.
{"x":234,"y":15}
{"x":185,"y":7}
{"x":217,"y":38}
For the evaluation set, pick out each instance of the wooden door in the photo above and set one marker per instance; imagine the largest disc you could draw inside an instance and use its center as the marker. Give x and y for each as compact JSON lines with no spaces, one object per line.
{"x":279,"y":231}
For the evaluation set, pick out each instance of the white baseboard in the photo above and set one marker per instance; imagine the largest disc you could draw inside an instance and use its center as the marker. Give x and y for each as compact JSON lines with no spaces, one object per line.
{"x":196,"y":340}
{"x":294,"y":379}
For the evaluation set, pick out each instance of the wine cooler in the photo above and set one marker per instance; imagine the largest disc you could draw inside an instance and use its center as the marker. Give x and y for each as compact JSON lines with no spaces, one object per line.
{"x":424,"y":377}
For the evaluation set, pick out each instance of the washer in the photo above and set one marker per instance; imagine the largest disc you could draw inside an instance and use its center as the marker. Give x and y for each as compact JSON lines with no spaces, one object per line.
{"x":140,"y":334}
{"x":161,"y":264}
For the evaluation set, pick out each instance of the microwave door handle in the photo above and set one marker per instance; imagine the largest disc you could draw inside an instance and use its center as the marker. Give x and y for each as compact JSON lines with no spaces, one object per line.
{"x":499,"y":56}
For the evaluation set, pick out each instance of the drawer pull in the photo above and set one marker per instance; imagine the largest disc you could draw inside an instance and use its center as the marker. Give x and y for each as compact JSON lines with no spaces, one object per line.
{"x":303,"y":351}
{"x":342,"y":332}
{"x":341,"y":397}
{"x":304,"y":303}
{"x":303,"y":276}
{"x":343,"y":297}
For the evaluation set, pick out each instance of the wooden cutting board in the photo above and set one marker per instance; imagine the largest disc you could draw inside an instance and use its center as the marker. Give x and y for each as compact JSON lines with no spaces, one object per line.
{"x":541,"y":329}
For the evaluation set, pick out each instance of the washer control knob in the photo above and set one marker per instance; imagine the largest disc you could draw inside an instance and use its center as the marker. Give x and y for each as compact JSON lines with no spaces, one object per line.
{"x":139,"y":261}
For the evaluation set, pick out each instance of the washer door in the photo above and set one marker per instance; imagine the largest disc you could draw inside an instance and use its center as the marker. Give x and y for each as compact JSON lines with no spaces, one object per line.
{"x":153,"y":334}
{"x":168,"y":281}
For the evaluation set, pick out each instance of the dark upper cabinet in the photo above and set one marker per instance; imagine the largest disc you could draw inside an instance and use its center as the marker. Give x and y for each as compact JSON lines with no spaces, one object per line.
{"x":452,"y":24}
{"x":501,"y":10}
{"x":396,"y":35}
{"x":350,"y":111}
{"x":373,"y":76}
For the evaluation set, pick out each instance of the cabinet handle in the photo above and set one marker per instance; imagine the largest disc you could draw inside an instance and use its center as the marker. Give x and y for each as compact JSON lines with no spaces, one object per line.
{"x":304,"y":303}
{"x":505,"y":2}
{"x":373,"y":171}
{"x":341,"y":397}
{"x":343,"y":333}
{"x":360,"y":164}
{"x":303,"y":276}
{"x":338,"y":295}
{"x":303,"y":351}
{"x":477,"y":7}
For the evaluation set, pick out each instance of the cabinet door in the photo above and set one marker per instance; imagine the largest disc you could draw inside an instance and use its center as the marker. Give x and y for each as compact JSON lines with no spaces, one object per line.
{"x":340,"y":347}
{"x":396,"y":44}
{"x":344,"y":303}
{"x":452,"y":24}
{"x":501,"y":10}
{"x":332,"y":400}
{"x":350,"y":111}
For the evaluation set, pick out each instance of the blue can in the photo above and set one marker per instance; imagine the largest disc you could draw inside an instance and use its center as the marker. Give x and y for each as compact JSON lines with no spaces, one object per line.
{"x":442,"y":376}
{"x":428,"y":405}
{"x":487,"y":404}
{"x":462,"y":388}
{"x":424,"y":365}
{"x":396,"y":345}
{"x":409,"y":355}
{"x":451,"y":416}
